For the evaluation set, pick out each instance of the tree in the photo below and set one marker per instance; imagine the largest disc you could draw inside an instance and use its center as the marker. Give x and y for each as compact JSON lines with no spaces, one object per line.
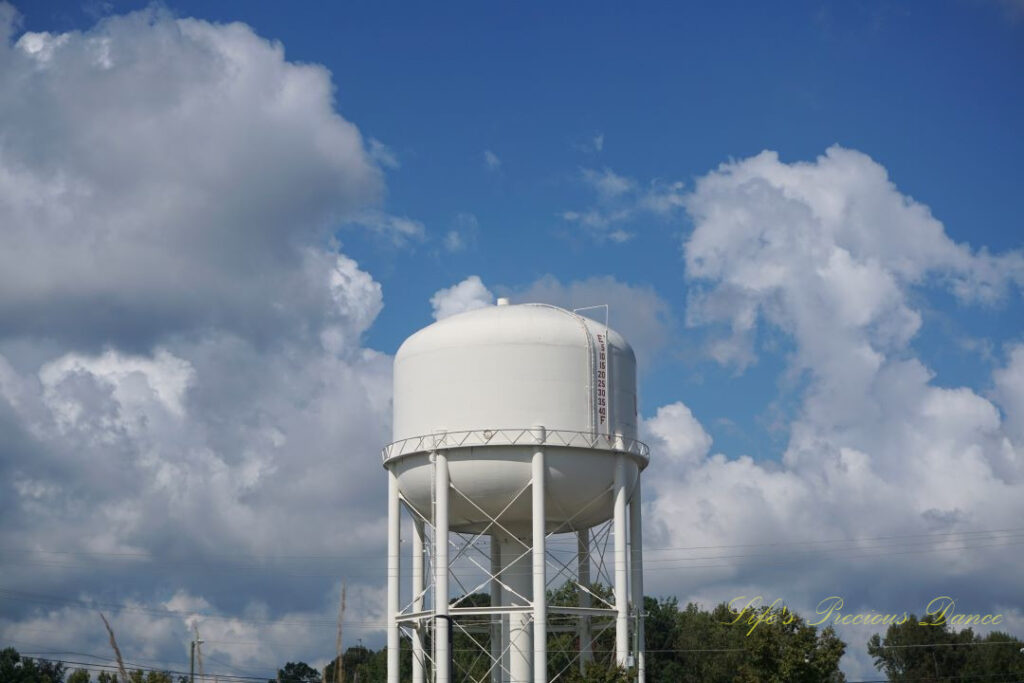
{"x":363,"y":665}
{"x":17,"y":669}
{"x":693,"y":645}
{"x":563,"y":646}
{"x":923,"y":651}
{"x":297,"y":672}
{"x":599,"y":672}
{"x":79,"y":676}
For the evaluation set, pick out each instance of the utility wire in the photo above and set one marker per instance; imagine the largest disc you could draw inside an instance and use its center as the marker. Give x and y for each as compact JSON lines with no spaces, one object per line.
{"x":669,"y":563}
{"x":378,"y":557}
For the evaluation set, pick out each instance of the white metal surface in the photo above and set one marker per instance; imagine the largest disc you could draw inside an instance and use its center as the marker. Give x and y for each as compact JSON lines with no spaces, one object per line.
{"x":621,"y":579}
{"x":496,"y":599}
{"x":540,"y":612}
{"x":517,"y":576}
{"x":418,"y":659}
{"x":511,"y":366}
{"x":583,"y":577}
{"x":441,"y":625}
{"x":394,"y":539}
{"x":636,"y":559}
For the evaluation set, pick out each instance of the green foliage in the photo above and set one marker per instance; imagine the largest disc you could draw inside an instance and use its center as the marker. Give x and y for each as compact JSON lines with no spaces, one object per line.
{"x":924,"y":652}
{"x":598,"y":672}
{"x":563,"y":648}
{"x":297,"y":672}
{"x":362,"y":665}
{"x":79,"y":676}
{"x":471,"y":641}
{"x":140,"y":676}
{"x":17,"y":669}
{"x":692,"y":645}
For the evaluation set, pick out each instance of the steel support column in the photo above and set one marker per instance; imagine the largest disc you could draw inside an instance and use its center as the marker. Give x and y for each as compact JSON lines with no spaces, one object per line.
{"x":418,"y":658}
{"x":516,"y":573}
{"x":540,"y":601}
{"x":583,"y":576}
{"x":636,"y":554}
{"x":394,"y":541}
{"x":496,"y":599}
{"x":621,"y":575}
{"x":442,"y":657}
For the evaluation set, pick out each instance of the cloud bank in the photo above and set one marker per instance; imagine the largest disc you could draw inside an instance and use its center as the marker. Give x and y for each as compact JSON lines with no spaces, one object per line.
{"x":186,"y":401}
{"x":896,"y":474}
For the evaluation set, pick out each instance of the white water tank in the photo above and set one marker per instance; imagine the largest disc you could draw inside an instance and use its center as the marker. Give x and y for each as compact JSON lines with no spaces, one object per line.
{"x":480,"y":386}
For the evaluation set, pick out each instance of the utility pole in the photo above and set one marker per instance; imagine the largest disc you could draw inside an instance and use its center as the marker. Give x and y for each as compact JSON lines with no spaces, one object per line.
{"x":192,"y":659}
{"x":339,"y":672}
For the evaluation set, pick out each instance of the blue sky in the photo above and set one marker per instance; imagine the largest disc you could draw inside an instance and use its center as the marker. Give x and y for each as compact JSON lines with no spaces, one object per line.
{"x":554,"y":152}
{"x":928,"y":91}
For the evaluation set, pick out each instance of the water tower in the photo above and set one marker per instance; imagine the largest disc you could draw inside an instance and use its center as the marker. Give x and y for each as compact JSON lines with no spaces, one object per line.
{"x":514,"y":457}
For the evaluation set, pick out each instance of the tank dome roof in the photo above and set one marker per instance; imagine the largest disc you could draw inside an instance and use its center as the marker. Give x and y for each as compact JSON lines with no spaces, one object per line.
{"x":509,"y":324}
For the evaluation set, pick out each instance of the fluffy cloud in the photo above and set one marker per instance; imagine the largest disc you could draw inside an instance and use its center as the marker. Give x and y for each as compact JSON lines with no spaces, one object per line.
{"x":467,"y":295}
{"x":246,"y":641}
{"x":186,"y":403}
{"x":885,"y":473}
{"x":1009,"y":391}
{"x":635,"y":310}
{"x":681,"y":439}
{"x":174,"y":467}
{"x":831,"y":242}
{"x":168,"y":173}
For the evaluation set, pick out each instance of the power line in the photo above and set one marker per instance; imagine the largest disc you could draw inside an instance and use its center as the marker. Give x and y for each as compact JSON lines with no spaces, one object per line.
{"x":840,"y":540}
{"x":36,"y":597}
{"x":148,"y":557}
{"x":94,"y":666}
{"x":112,"y":666}
{"x":670,"y":563}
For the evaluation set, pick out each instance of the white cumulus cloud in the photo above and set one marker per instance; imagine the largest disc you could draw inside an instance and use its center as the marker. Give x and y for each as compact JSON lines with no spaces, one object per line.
{"x":467,"y":295}
{"x":885,"y":473}
{"x":150,"y":166}
{"x":637,"y":311}
{"x":186,"y":400}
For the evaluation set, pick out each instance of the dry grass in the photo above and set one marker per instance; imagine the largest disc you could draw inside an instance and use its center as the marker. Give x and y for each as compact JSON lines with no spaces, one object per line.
{"x":117,"y":650}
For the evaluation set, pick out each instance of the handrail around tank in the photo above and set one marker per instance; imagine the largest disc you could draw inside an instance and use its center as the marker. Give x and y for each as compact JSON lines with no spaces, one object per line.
{"x":515,"y":437}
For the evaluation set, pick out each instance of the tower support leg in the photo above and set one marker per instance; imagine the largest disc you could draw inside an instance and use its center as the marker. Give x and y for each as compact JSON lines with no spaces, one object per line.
{"x":517,"y":574}
{"x":442,"y":656}
{"x":496,"y":599}
{"x":583,"y":576}
{"x":636,"y":553}
{"x":540,"y":601}
{"x":418,"y":659}
{"x":394,"y":541}
{"x":621,"y":566}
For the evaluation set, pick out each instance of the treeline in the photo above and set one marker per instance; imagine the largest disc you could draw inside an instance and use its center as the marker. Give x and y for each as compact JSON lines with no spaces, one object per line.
{"x":916,"y":651}
{"x":14,"y":668}
{"x":688,"y":645}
